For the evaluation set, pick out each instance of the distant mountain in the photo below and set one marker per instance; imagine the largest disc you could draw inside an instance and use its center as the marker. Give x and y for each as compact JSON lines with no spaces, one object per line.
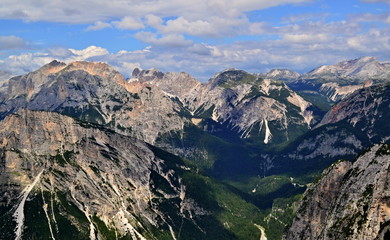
{"x":360,"y":69}
{"x":4,"y":76}
{"x":282,"y":74}
{"x":350,"y":201}
{"x":65,"y":179}
{"x":328,"y":84}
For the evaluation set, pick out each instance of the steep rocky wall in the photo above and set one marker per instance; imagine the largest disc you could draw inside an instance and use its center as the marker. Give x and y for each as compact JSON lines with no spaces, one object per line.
{"x":350,"y":201}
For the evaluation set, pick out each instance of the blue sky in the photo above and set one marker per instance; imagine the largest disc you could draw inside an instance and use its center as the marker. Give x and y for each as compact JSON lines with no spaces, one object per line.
{"x":199,"y":37}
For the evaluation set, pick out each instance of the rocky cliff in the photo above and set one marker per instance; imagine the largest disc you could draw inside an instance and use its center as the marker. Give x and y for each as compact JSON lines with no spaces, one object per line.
{"x":63,"y":179}
{"x":350,"y":201}
{"x":97,"y":93}
{"x":252,"y":107}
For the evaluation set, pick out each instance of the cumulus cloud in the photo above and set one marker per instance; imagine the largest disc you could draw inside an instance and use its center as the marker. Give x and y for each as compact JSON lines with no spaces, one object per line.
{"x":98,"y":26}
{"x":297,"y":51}
{"x":128,"y":23}
{"x":169,"y":40}
{"x":91,"y":11}
{"x":199,"y":18}
{"x":11,"y":42}
{"x":177,"y":37}
{"x":27,"y":62}
{"x":306,"y":38}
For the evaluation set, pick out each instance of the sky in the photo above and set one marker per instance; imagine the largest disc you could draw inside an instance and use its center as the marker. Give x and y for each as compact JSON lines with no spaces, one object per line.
{"x":200,"y":37}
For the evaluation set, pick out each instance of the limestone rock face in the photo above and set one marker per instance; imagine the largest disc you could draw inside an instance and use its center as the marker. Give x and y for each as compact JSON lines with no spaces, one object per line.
{"x":81,"y":176}
{"x":152,"y":104}
{"x":350,"y":201}
{"x":251,"y":106}
{"x":62,"y":178}
{"x":366,"y":110}
{"x":97,"y":93}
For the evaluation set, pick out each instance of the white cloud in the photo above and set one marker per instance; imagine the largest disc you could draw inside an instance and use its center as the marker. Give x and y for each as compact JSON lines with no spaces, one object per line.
{"x":370,"y":17}
{"x":169,"y":40}
{"x":129,"y":23}
{"x":376,"y":1}
{"x":207,"y":18}
{"x":306,"y":38}
{"x":89,"y":52}
{"x":27,"y":62}
{"x":153,"y":21}
{"x":24,"y":63}
{"x":99,"y":25}
{"x":11,"y":42}
{"x":297,"y":46}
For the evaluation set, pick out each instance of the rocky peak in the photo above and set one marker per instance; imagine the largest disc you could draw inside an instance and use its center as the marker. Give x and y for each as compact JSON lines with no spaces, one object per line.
{"x":282,"y":74}
{"x":147,"y":75}
{"x":52,"y":67}
{"x":175,"y":84}
{"x":363,"y":68}
{"x":97,"y":68}
{"x":230,"y":78}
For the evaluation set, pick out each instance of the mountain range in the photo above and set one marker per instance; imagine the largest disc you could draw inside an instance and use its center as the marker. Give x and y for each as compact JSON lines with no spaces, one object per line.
{"x":90,"y":154}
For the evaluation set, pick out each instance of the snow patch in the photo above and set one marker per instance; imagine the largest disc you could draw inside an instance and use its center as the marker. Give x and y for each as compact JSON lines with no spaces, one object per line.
{"x":268,"y":134}
{"x":196,"y":121}
{"x":47,"y":215}
{"x":262,"y":232}
{"x":130,"y":80}
{"x":215,"y":116}
{"x":172,"y":232}
{"x":19,"y":213}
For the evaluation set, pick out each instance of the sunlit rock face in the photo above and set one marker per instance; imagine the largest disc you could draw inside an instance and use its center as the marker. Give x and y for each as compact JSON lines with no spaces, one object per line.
{"x":350,"y":201}
{"x":85,"y":180}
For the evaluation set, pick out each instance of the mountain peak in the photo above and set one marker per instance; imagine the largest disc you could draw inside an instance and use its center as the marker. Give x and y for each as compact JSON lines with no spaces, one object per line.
{"x":367,"y":59}
{"x":52,"y":67}
{"x":231,"y":77}
{"x":282,"y":74}
{"x":147,"y":75}
{"x":97,"y":68}
{"x":363,"y":68}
